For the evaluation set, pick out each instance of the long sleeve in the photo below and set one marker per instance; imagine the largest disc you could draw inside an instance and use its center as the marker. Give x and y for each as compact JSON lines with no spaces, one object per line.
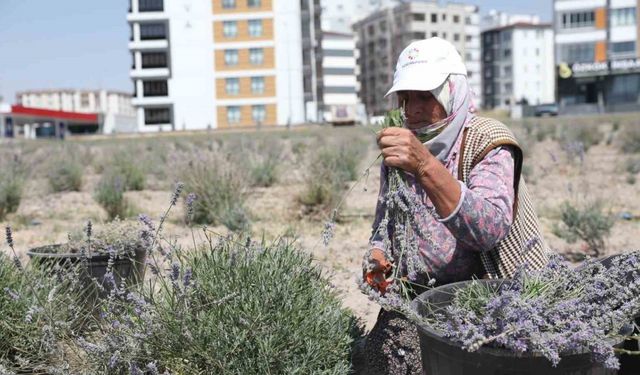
{"x":484,"y":213}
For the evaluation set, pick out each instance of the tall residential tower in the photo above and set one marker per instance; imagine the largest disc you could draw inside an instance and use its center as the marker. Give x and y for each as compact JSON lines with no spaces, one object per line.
{"x":225,"y":63}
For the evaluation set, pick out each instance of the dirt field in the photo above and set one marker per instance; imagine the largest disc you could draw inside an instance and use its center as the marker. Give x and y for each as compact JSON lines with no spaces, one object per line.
{"x":554,"y":174}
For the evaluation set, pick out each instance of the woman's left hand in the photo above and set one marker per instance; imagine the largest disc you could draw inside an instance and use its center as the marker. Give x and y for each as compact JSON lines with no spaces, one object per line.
{"x":402,"y":149}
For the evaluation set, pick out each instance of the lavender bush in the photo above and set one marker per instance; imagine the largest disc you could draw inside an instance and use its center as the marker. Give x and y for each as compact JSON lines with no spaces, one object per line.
{"x":65,"y":171}
{"x":110,"y":194}
{"x":227,"y":305}
{"x":551,"y":312}
{"x":40,"y":312}
{"x":589,"y":222}
{"x":12,"y":179}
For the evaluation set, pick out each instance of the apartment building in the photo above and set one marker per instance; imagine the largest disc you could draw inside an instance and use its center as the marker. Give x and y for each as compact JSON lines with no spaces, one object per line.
{"x":341,"y":104}
{"x":225,"y":64}
{"x":382,"y":35}
{"x":598,"y":69}
{"x":518,"y":65}
{"x":115,"y":110}
{"x":339,"y":15}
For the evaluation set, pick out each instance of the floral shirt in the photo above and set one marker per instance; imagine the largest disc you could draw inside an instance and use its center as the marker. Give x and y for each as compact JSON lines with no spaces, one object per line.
{"x":481,"y":219}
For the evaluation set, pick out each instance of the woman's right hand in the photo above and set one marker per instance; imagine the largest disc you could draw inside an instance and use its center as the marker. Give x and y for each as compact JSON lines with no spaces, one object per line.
{"x":377,"y":270}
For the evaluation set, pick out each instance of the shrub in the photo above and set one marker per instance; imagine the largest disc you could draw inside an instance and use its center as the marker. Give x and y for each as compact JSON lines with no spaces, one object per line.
{"x":65,"y":172}
{"x":588,"y":222}
{"x":264,"y":164}
{"x":327,"y":173}
{"x":110,"y":194}
{"x":630,"y":139}
{"x":233,"y":307}
{"x":128,"y":165}
{"x":11,"y":186}
{"x":39,"y":311}
{"x":220,"y":189}
{"x":633,"y":165}
{"x":586,"y":134}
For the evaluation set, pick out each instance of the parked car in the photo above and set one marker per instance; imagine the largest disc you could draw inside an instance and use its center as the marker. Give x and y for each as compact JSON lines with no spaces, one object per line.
{"x":546,"y":109}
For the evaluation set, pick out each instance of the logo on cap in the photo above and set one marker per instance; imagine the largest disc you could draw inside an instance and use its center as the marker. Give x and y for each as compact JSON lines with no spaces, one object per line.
{"x":413,"y":53}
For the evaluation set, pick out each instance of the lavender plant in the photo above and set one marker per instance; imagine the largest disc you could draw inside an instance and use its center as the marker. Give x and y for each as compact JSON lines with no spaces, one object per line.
{"x":12,"y":179}
{"x":552,"y":312}
{"x":588,"y":222}
{"x":40,"y":312}
{"x":110,"y":194}
{"x":65,"y":171}
{"x":220,"y":307}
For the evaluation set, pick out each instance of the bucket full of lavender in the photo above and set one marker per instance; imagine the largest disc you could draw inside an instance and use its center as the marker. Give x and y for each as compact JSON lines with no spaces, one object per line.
{"x":554,"y":321}
{"x":115,"y":254}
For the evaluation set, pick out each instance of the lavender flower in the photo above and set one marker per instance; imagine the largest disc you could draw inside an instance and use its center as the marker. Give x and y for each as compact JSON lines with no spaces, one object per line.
{"x":186,"y":279}
{"x":13,"y":294}
{"x":9,"y":237}
{"x":328,"y":232}
{"x":176,"y":193}
{"x":175,"y":271}
{"x":191,"y":198}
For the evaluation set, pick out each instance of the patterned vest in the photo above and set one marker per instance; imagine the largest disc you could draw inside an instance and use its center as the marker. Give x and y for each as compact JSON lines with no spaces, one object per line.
{"x":524,"y":243}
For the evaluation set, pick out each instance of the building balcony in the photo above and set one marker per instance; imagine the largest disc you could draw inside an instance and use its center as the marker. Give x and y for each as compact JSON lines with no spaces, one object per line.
{"x":150,"y":73}
{"x":148,"y":44}
{"x":146,"y":16}
{"x":151,"y":101}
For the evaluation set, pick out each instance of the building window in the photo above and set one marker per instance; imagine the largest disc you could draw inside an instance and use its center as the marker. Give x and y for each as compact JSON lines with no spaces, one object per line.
{"x":254,"y":3}
{"x":434,"y":18}
{"x":153,"y":31}
{"x":456,"y":19}
{"x":233,"y":114}
{"x":156,"y":116}
{"x":579,"y":52}
{"x":468,"y":38}
{"x":371,"y":30}
{"x":228,"y":4}
{"x":576,"y":20}
{"x":467,"y":20}
{"x":417,"y":35}
{"x":623,"y":16}
{"x":507,"y":53}
{"x":624,"y":88}
{"x":155,"y":88}
{"x":257,"y":85}
{"x":231,"y":57}
{"x":154,"y":60}
{"x":419,"y":17}
{"x":623,"y":48}
{"x":258,"y":113}
{"x":444,"y":35}
{"x":255,"y":28}
{"x":456,"y":37}
{"x":256,"y":56}
{"x":434,"y":34}
{"x":444,"y":17}
{"x":383,"y":26}
{"x":230,"y":29}
{"x":232,"y":86}
{"x":150,"y":5}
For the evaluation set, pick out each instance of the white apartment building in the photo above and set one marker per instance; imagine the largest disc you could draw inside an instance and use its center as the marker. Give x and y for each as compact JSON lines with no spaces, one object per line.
{"x":341,"y":104}
{"x":114,"y":108}
{"x":80,"y":101}
{"x":495,"y":18}
{"x":518,"y":65}
{"x":339,"y":15}
{"x":385,"y":33}
{"x":225,"y":64}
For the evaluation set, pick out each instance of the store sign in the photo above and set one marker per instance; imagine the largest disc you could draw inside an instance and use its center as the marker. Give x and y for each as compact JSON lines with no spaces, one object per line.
{"x":566,"y":71}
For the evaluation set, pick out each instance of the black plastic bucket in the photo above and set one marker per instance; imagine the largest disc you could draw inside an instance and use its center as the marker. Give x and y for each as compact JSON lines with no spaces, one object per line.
{"x":128,"y":268}
{"x":441,"y":356}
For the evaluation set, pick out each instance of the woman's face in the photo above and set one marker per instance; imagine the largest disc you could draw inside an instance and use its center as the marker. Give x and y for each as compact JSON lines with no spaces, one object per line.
{"x":421,"y":108}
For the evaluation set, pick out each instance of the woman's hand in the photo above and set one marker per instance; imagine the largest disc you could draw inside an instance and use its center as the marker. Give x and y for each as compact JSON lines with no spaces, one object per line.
{"x":402,"y":149}
{"x":376,"y":270}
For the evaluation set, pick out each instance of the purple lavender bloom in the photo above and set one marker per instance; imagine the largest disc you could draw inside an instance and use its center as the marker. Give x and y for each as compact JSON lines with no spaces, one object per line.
{"x":191,"y":198}
{"x":186,"y":279}
{"x":328,"y":232}
{"x":176,"y":193}
{"x":9,"y":236}
{"x":175,"y":271}
{"x":14,"y":295}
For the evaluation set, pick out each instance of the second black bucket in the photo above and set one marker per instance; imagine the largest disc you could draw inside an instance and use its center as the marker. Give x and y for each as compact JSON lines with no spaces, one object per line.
{"x":441,"y":356}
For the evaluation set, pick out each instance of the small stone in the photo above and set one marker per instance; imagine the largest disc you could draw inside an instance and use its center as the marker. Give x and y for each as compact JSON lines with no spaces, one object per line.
{"x":401,"y":352}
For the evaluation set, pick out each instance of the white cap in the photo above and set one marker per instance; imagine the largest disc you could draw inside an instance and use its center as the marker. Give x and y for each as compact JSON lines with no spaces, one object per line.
{"x":425,"y":65}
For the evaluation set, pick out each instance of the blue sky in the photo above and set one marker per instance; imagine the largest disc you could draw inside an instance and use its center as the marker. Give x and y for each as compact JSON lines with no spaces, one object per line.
{"x":48,"y":44}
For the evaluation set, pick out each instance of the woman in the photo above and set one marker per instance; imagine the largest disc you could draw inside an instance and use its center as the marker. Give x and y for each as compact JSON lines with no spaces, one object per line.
{"x":481,"y":222}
